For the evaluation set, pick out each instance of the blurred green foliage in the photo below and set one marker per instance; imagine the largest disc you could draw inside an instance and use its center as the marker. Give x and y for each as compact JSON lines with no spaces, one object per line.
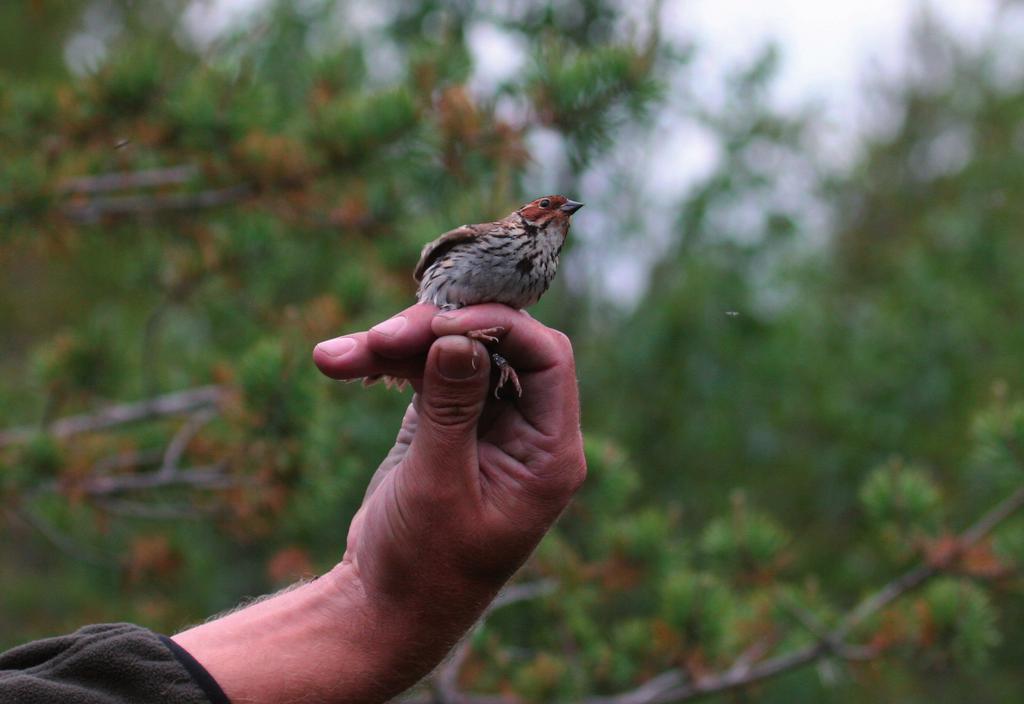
{"x":812,"y":395}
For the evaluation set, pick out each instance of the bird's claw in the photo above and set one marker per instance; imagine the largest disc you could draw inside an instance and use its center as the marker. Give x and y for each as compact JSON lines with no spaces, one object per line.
{"x":488,"y":336}
{"x":506,"y":374}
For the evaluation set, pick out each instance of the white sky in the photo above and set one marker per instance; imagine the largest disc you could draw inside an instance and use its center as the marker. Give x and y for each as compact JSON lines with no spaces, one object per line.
{"x":827,"y":43}
{"x":829,"y":49}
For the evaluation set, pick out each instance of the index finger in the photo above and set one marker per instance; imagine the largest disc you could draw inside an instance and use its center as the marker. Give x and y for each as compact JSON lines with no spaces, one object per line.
{"x":529,"y":345}
{"x":397,"y":347}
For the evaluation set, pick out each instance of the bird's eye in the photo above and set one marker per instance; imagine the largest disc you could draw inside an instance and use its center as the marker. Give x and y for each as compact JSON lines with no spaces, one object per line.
{"x":545,"y":203}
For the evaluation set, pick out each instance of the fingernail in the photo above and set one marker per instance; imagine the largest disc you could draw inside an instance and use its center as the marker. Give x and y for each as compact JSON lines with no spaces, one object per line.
{"x":391,"y":326}
{"x":338,"y":347}
{"x":457,"y":359}
{"x":448,"y":314}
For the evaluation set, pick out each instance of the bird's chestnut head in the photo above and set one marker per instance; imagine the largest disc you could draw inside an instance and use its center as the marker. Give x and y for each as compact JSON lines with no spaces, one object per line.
{"x":549,"y":210}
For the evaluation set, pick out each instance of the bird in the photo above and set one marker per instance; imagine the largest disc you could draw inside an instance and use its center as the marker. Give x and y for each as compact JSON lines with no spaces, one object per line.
{"x":510,"y":261}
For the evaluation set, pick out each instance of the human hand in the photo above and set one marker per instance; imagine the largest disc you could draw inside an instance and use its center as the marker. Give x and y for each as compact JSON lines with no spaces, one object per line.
{"x":472,"y":483}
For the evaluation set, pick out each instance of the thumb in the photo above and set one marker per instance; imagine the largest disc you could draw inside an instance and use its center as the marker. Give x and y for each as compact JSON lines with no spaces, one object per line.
{"x":455,"y":383}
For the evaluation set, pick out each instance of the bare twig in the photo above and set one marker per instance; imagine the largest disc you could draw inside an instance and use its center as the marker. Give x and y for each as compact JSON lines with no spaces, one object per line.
{"x":651,"y":690}
{"x":991,"y":520}
{"x":93,"y":210}
{"x":121,"y":414}
{"x":101,"y":487}
{"x":445,"y":682}
{"x":124,"y":460}
{"x":754,"y":653}
{"x":206,"y":477}
{"x":805,"y":618}
{"x":146,"y":510}
{"x":179,"y":443}
{"x":524,"y":591}
{"x":124,"y":180}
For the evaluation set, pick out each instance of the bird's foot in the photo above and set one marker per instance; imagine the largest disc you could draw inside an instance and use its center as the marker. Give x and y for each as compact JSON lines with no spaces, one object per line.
{"x":506,"y":374}
{"x":488,"y":336}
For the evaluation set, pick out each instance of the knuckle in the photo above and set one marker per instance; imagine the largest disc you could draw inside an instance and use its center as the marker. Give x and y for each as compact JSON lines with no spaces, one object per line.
{"x":577,"y":475}
{"x":563,"y":349}
{"x":559,"y":479}
{"x":569,"y":474}
{"x":574,"y":467}
{"x":563,"y":342}
{"x":451,"y":412}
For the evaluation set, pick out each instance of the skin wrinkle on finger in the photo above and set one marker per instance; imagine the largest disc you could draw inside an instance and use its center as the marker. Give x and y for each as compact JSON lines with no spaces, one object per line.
{"x":531,"y":455}
{"x":522,"y":432}
{"x":448,"y":412}
{"x":403,"y":526}
{"x":559,"y":477}
{"x":399,"y":450}
{"x":515,"y":492}
{"x":455,"y":473}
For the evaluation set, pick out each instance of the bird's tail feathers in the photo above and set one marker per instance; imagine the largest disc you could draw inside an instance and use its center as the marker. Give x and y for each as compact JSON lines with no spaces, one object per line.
{"x":390,"y":382}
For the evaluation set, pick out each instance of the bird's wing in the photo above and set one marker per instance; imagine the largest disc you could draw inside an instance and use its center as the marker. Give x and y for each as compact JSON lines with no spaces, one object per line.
{"x":439,"y":247}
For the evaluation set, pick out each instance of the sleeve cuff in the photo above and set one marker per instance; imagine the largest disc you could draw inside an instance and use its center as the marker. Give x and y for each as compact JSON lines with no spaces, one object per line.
{"x":202,"y":678}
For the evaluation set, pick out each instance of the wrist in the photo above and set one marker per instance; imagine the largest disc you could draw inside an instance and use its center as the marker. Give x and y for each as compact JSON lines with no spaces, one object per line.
{"x":403,"y":636}
{"x":319,"y":641}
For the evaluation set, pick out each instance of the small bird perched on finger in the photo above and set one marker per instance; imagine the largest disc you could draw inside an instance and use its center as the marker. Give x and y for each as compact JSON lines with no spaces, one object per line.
{"x":510,"y":261}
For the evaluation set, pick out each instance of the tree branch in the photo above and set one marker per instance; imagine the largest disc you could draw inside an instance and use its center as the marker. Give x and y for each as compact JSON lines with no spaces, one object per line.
{"x":125,"y":180}
{"x":649,"y":691}
{"x":179,"y":443}
{"x":120,"y":414}
{"x":524,"y":591}
{"x":829,"y":643}
{"x":922,"y":573}
{"x":140,"y":509}
{"x":92,"y":210}
{"x":205,"y":477}
{"x":125,"y":460}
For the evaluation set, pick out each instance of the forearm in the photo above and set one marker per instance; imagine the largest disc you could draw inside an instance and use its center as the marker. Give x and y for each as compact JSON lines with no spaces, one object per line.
{"x":329,"y":641}
{"x":317,"y":642}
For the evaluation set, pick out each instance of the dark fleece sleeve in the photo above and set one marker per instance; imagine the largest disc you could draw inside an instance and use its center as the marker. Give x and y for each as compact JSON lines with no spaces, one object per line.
{"x":105,"y":664}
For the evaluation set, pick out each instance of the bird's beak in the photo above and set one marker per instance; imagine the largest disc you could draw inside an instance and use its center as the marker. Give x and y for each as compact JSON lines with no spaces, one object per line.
{"x":570,"y":207}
